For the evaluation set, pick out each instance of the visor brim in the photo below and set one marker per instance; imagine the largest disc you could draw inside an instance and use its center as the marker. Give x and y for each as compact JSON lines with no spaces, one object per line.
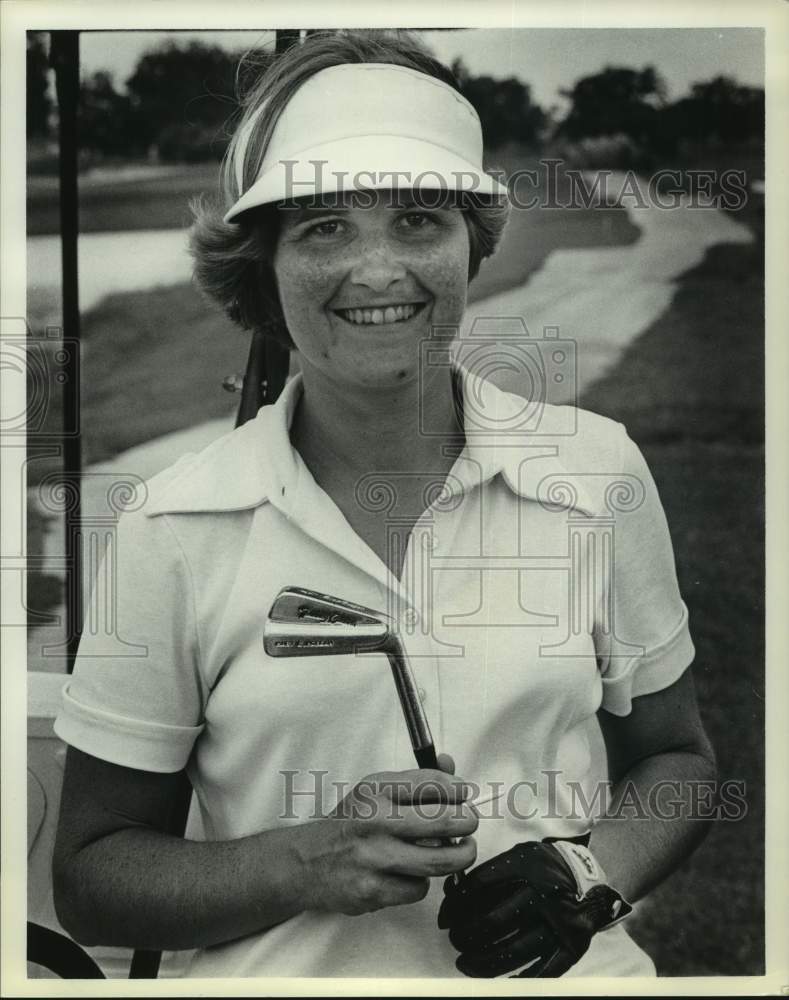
{"x":371,"y":162}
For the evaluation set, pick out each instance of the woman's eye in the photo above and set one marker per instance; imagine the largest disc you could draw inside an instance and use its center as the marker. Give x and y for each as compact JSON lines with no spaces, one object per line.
{"x":329,"y":227}
{"x":417,"y":220}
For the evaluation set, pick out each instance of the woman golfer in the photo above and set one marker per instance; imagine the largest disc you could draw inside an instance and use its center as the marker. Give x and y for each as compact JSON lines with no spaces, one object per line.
{"x":521,"y":549}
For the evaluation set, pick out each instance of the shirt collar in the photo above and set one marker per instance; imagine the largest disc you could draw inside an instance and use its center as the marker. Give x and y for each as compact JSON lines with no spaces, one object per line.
{"x":532,"y":444}
{"x":257,"y":463}
{"x":239,"y":471}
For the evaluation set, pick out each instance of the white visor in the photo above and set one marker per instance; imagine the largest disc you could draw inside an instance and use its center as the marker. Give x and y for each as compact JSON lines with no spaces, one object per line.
{"x":367,"y":126}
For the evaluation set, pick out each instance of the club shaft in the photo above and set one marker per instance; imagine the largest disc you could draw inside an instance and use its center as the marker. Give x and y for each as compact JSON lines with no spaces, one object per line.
{"x":416,"y":720}
{"x":411,"y":703}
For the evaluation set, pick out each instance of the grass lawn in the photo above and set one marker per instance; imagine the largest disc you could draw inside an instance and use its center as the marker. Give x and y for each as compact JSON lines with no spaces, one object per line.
{"x":690,"y":391}
{"x":154,"y":363}
{"x":159,"y":200}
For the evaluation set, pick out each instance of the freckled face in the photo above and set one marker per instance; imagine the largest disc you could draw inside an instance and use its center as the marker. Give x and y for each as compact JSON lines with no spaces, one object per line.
{"x":363,"y":284}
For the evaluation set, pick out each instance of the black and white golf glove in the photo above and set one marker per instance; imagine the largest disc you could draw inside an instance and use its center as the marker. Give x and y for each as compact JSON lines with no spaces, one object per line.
{"x":537,"y":905}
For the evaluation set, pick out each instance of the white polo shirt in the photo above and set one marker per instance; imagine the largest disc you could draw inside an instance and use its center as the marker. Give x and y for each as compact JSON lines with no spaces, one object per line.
{"x":537,"y":586}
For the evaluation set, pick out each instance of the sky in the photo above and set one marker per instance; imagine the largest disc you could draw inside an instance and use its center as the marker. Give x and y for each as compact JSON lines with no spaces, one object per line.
{"x":548,"y":59}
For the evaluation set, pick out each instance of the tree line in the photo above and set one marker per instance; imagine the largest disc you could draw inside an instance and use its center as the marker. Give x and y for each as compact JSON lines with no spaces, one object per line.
{"x":179,"y":104}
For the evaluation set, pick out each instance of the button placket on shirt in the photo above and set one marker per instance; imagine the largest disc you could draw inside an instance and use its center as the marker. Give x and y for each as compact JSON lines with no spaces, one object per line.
{"x":419,"y":606}
{"x":409,"y":600}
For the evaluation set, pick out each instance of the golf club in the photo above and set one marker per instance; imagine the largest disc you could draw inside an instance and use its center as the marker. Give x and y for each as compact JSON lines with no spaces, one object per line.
{"x":306,"y":623}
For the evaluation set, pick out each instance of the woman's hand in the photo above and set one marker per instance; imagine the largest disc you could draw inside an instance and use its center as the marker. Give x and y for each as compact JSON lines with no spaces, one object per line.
{"x":541,"y":903}
{"x":378,"y":848}
{"x":121,"y":880}
{"x":538,"y":903}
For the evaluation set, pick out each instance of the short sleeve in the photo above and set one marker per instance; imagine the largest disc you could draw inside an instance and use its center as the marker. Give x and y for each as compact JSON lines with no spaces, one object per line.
{"x":136,"y":697}
{"x":643,"y":641}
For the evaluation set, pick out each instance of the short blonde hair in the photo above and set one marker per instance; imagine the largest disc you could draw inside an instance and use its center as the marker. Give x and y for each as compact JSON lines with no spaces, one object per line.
{"x":233,"y":262}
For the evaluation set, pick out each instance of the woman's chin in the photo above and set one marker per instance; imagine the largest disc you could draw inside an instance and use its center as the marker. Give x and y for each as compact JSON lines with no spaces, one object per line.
{"x":396,"y":377}
{"x":354,"y":370}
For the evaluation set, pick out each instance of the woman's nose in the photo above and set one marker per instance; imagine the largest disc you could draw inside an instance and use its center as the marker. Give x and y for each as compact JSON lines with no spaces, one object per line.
{"x":377,"y":268}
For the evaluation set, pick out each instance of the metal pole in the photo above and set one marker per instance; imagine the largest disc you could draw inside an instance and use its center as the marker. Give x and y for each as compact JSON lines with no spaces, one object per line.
{"x":268,"y":362}
{"x":285,"y":37}
{"x":64,"y":57}
{"x":277,"y":358}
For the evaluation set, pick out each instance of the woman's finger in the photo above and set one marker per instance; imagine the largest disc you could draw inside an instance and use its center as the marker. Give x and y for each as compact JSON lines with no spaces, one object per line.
{"x":500,"y":870}
{"x":507,"y":956}
{"x":554,"y":963}
{"x":423,"y":785}
{"x":438,"y":822}
{"x":459,"y":907}
{"x":516,"y":907}
{"x":403,"y":858}
{"x":397,"y":890}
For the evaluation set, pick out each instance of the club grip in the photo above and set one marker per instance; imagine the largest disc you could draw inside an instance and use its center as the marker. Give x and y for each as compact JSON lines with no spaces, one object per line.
{"x":426,"y":757}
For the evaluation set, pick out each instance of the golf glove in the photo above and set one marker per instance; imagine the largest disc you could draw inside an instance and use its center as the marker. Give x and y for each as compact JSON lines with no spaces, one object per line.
{"x":536,"y":905}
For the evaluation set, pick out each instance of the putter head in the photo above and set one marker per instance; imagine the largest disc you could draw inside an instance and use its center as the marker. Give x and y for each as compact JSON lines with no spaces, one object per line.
{"x":307,"y":623}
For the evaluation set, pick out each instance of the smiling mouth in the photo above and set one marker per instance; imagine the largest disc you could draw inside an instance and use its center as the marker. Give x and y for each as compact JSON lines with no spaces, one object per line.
{"x":380,"y":315}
